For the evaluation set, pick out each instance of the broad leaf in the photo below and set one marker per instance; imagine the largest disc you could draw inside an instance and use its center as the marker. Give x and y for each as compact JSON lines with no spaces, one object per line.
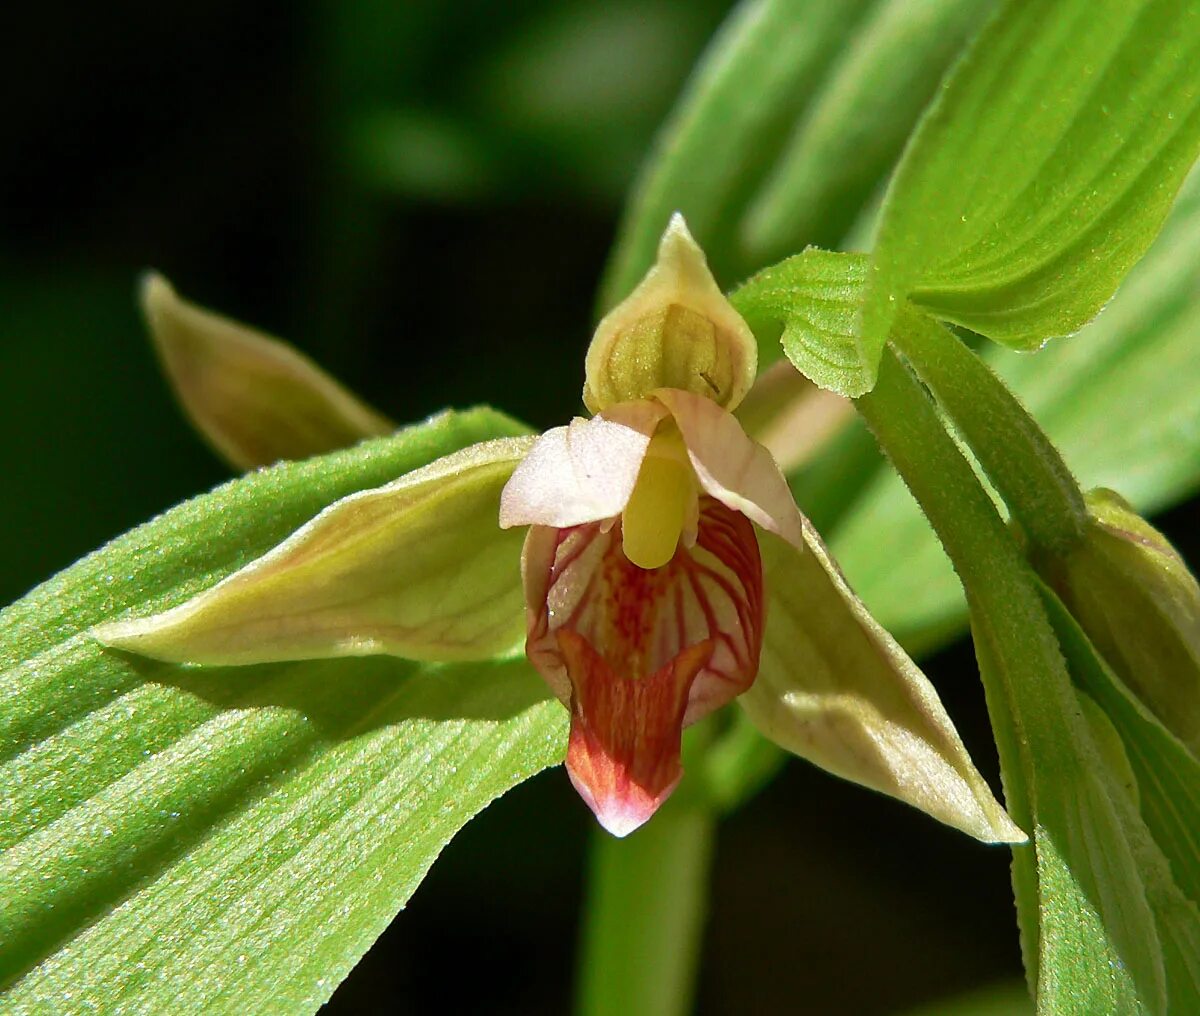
{"x":1118,"y":400}
{"x":1042,"y":172}
{"x":857,"y":122}
{"x":232,"y":840}
{"x":732,"y":120}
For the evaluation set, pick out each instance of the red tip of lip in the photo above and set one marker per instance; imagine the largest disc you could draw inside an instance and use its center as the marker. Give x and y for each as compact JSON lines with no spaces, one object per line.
{"x":623,"y":753}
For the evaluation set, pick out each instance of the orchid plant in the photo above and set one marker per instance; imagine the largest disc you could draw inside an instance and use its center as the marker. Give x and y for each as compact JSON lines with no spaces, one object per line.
{"x":666,"y":571}
{"x":376,"y":631}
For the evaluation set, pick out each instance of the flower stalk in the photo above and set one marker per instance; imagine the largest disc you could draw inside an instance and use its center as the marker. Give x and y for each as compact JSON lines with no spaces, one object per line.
{"x":1051,"y":766}
{"x":1027,"y":470}
{"x":645,"y":906}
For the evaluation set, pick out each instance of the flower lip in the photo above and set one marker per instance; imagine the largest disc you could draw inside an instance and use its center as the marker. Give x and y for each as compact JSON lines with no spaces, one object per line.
{"x":637,"y":654}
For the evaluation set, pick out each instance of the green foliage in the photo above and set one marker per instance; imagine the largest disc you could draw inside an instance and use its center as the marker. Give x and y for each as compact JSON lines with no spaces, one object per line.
{"x":816,"y":296}
{"x":221,"y":840}
{"x":1042,"y":172}
{"x":722,"y":137}
{"x":1167,"y":790}
{"x":1117,"y":400}
{"x":1106,"y":927}
{"x":1161,"y":812}
{"x":857,"y":121}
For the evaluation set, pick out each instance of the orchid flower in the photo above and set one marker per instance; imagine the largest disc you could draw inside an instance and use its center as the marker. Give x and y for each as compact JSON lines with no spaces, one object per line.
{"x":665,"y":571}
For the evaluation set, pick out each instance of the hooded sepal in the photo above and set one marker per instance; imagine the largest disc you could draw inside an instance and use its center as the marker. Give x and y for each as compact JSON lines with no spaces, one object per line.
{"x":255,"y":399}
{"x":835,"y":688}
{"x":417,"y":568}
{"x":675,"y":330}
{"x":1138,"y":603}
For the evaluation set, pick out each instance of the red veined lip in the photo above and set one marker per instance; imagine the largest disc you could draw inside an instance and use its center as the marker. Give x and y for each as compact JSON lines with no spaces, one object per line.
{"x":637,"y":654}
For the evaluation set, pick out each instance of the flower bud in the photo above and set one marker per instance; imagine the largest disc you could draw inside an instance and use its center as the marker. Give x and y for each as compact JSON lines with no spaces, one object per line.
{"x":676,"y":330}
{"x":1133,"y":595}
{"x":255,"y":399}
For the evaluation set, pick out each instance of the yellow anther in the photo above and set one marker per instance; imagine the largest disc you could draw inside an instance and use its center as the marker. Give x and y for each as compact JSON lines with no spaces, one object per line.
{"x":662,"y":499}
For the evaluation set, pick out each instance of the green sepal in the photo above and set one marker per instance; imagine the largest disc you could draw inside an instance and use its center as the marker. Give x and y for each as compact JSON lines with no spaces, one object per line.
{"x":255,"y":399}
{"x":836,"y":689}
{"x":418,"y":568}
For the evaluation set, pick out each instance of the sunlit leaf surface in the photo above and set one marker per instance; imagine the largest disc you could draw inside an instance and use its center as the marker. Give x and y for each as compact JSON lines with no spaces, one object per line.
{"x":232,"y":839}
{"x":1042,"y":172}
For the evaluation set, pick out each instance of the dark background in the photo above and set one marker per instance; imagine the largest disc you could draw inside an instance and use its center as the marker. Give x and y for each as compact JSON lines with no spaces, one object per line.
{"x":421,"y":196}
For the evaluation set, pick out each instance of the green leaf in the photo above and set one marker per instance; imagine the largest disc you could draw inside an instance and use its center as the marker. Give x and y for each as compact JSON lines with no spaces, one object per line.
{"x":1102,"y":921}
{"x":748,"y":89}
{"x":857,"y":122}
{"x":1118,"y":400}
{"x":1042,"y":172}
{"x":1167,"y":774}
{"x":816,"y":297}
{"x":232,"y":840}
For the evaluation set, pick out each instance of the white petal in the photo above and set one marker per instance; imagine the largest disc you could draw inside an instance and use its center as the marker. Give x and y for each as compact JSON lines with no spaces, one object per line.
{"x":737,"y":471}
{"x":583,"y":472}
{"x":835,"y":688}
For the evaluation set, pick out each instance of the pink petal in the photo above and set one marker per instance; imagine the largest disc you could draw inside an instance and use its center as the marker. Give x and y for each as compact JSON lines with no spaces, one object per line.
{"x":623,"y":752}
{"x":618,"y":645}
{"x":583,"y":472}
{"x":738,"y":472}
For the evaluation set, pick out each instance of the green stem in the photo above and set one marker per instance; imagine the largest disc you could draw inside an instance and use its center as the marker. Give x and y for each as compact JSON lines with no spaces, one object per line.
{"x":1026,"y":468}
{"x":1026,"y":681}
{"x":644,"y":914}
{"x":1025,"y":678}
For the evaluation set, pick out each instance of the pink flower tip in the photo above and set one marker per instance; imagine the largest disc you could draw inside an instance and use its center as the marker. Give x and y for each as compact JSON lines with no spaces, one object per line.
{"x":620,"y":809}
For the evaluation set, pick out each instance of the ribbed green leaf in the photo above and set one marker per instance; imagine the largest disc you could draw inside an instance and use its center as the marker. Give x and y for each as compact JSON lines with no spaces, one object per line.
{"x":815,"y":297}
{"x":733,"y":119}
{"x":1162,"y":813}
{"x":857,"y":123}
{"x":1043,"y":171}
{"x":232,"y":840}
{"x":1167,"y":774}
{"x":1118,"y":400}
